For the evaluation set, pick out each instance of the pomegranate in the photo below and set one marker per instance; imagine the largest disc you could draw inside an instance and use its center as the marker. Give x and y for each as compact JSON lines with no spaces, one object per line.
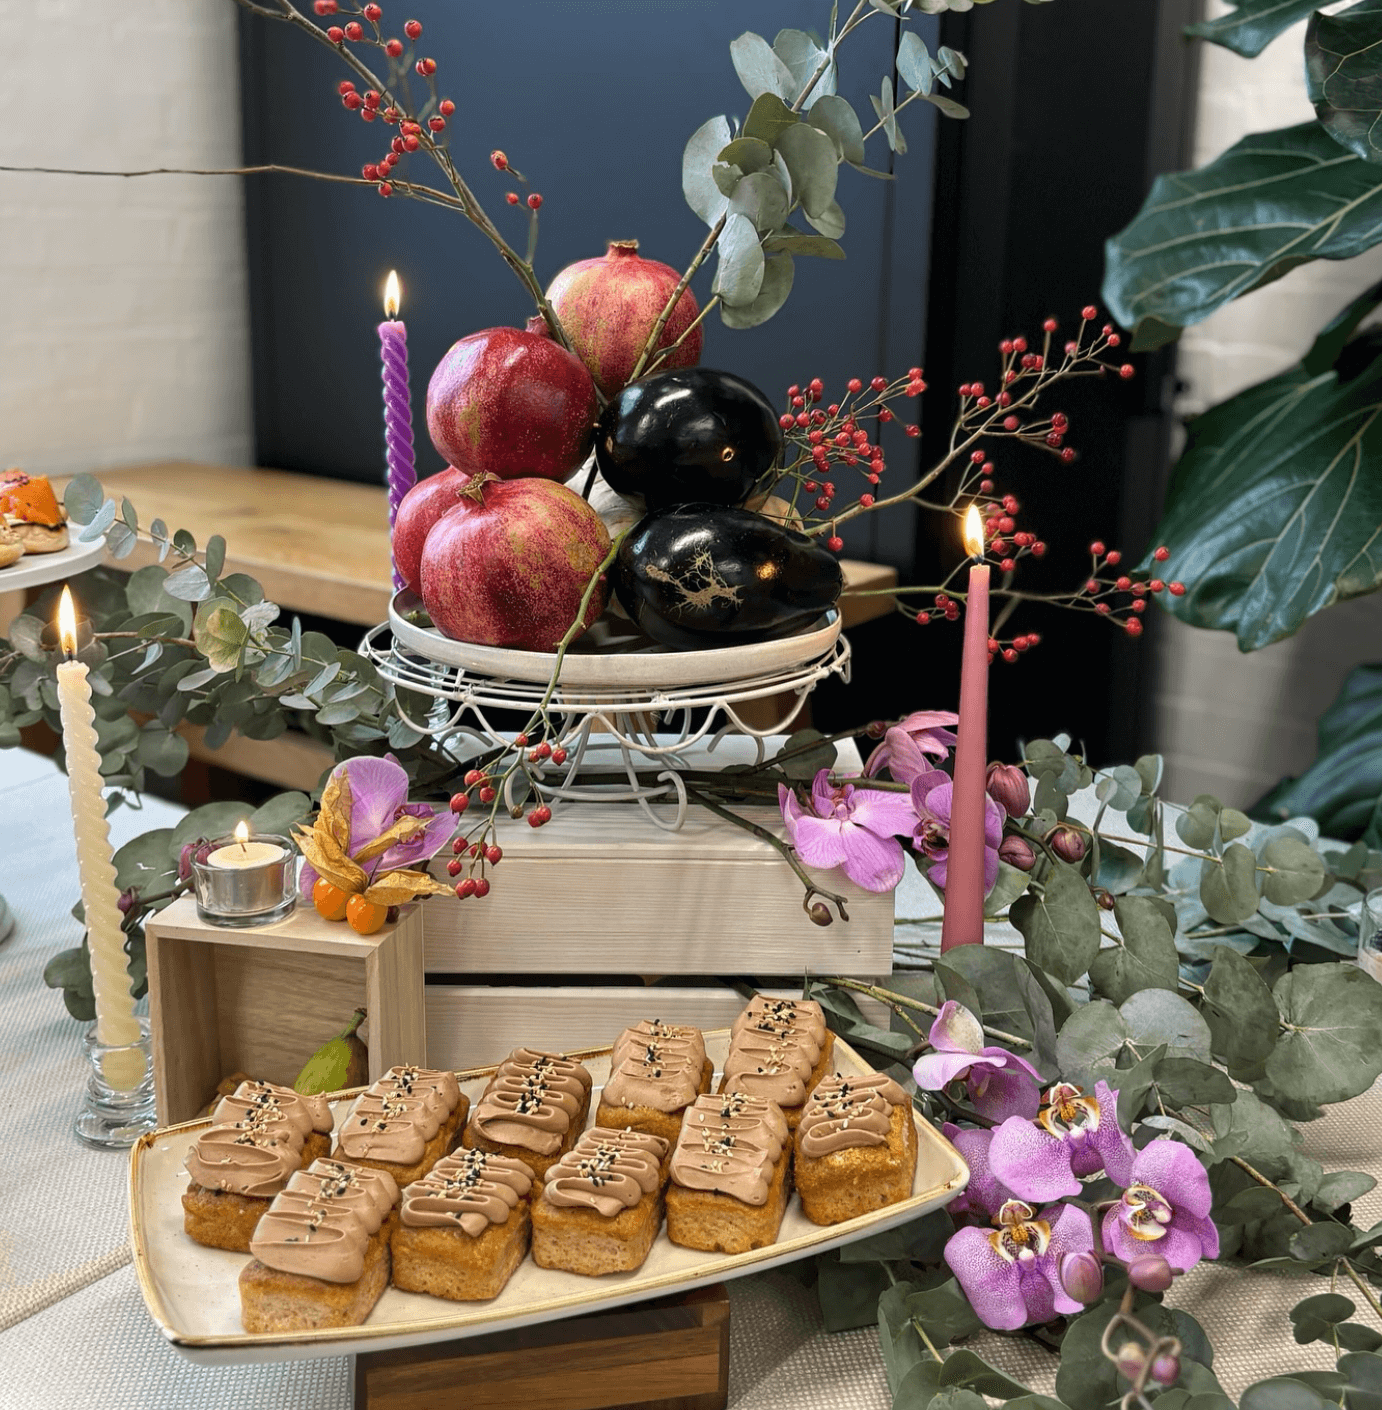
{"x":512,"y":402}
{"x":508,"y":565}
{"x":608,"y":307}
{"x":422,"y":506}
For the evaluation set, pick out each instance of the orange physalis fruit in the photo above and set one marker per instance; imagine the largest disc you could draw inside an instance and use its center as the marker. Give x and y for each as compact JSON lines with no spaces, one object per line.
{"x":330,"y":900}
{"x":365,"y":917}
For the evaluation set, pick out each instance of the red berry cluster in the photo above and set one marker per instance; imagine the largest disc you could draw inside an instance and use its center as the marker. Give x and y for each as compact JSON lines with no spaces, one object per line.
{"x":1122,"y":598}
{"x":826,"y":440}
{"x":500,"y":162}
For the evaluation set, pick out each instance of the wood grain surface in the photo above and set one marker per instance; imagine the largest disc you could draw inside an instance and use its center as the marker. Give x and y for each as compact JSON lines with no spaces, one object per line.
{"x":670,"y":1354}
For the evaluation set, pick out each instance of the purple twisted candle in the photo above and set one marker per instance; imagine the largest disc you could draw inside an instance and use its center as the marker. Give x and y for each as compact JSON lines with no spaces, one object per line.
{"x":398,"y":407}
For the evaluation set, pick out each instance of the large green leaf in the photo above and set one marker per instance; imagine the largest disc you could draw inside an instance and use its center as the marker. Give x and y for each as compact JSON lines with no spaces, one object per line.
{"x":1343,"y":76}
{"x":1061,"y":925}
{"x":1331,"y":1047}
{"x":1344,"y":784}
{"x":1275,"y":510}
{"x":1252,"y":24}
{"x":1204,"y":237}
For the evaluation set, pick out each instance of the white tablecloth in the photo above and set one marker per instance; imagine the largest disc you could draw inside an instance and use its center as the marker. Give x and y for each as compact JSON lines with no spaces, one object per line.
{"x":73,"y":1329}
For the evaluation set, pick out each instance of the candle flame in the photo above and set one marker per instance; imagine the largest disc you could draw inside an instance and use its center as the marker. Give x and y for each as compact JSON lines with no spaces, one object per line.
{"x":242,"y":832}
{"x":392,"y":295}
{"x":974,"y":532}
{"x":67,"y":623}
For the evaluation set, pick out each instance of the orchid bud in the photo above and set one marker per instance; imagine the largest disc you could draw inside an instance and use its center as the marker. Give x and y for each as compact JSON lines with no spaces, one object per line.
{"x":1082,"y":1276}
{"x":1017,"y":852}
{"x":185,"y":860}
{"x":1130,"y":1360}
{"x":876,"y":730}
{"x":819,"y":913}
{"x":1151,"y":1273}
{"x":1166,"y":1368}
{"x":126,"y":900}
{"x":1067,"y":844}
{"x":1008,"y":787}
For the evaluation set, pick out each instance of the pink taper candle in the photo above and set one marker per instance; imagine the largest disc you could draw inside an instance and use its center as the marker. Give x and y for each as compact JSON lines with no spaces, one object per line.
{"x":964,"y":883}
{"x":398,"y":406}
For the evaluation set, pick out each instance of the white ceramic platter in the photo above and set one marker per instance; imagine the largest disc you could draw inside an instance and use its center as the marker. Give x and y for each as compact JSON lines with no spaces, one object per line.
{"x":614,"y":655}
{"x":192,"y":1292}
{"x":40,"y":569}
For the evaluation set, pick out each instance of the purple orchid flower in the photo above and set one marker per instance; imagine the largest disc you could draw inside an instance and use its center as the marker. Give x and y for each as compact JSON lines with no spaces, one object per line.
{"x":856,"y":828}
{"x":983,"y":1197}
{"x":1073,"y":1135}
{"x":1164,"y":1209}
{"x":931,"y":796}
{"x":1001,"y":1084}
{"x":907,"y":744}
{"x":378,"y":798}
{"x":1011,"y":1273}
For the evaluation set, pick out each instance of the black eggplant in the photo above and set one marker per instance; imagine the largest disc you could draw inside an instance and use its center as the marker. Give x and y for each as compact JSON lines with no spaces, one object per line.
{"x":691,"y":435}
{"x":698,"y":575}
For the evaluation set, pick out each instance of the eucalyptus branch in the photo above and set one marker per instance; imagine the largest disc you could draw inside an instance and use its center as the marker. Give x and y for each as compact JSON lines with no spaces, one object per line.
{"x":697,"y":260}
{"x":886,"y":996}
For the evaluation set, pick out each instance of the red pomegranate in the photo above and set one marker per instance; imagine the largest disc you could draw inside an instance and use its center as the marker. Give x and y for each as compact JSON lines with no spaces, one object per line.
{"x":421,"y":507}
{"x":512,"y":403}
{"x":608,"y":307}
{"x":509,"y":564}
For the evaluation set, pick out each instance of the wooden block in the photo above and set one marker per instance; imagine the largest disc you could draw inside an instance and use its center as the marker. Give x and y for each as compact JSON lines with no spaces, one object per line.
{"x":600,"y":890}
{"x":262,"y":1001}
{"x":476,"y":1025}
{"x":670,"y":1354}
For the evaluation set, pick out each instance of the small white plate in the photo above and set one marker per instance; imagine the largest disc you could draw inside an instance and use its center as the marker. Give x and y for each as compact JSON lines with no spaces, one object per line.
{"x":192,"y":1292}
{"x":40,"y":569}
{"x":614,"y":655}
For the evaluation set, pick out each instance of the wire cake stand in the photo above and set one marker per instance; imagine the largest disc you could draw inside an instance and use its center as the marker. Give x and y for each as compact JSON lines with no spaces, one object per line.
{"x":614,"y":722}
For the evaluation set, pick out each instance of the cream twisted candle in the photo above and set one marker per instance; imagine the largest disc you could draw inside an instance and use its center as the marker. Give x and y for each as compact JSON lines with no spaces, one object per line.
{"x":116,"y":1024}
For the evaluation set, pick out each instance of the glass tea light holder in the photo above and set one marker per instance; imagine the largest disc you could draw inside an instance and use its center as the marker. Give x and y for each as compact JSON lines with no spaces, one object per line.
{"x":1370,"y":934}
{"x":243,"y":881}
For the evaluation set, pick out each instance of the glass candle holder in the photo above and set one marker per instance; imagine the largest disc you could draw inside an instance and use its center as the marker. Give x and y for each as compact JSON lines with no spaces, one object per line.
{"x":241,"y":884}
{"x":119,"y":1104}
{"x":1370,"y":934}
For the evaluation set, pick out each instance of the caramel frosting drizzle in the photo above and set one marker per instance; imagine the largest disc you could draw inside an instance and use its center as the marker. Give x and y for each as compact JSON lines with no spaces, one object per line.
{"x":729,"y":1147}
{"x":318,"y":1239}
{"x":395,"y":1118}
{"x":254,"y":1099}
{"x":368,"y":1194}
{"x":468,"y":1189}
{"x":607,"y":1171}
{"x":656,"y":1065}
{"x":847,"y":1111}
{"x":532,"y":1100}
{"x":246,"y":1159}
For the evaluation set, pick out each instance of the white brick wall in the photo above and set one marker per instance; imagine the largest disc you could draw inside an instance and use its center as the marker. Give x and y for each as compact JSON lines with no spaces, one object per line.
{"x":124,"y":333}
{"x":1228,"y":723}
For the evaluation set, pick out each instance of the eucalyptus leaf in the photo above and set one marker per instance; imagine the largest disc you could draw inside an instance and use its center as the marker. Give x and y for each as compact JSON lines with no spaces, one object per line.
{"x":1120,"y":787}
{"x":838,"y":120}
{"x":1197,"y":825}
{"x":760,"y":198}
{"x":82,"y":499}
{"x":948,"y":106}
{"x":1061,"y":925}
{"x":1331,"y":1047}
{"x":726,"y":177}
{"x":1240,"y":1010}
{"x":749,"y":154}
{"x":1146,"y":958}
{"x":810,"y":157}
{"x":1340,"y":1188}
{"x":795,"y":242}
{"x":914,"y":62}
{"x":1186,"y":1082}
{"x":1228,"y":887}
{"x":759,"y":68}
{"x":1090,"y":1041}
{"x":1296,"y":872}
{"x":830,"y":222}
{"x":104,"y":518}
{"x":697,"y":184}
{"x":768,"y":119}
{"x":778,"y":272}
{"x":803,"y":57}
{"x":188,"y":584}
{"x":1156,"y":1016}
{"x":897,"y":1338}
{"x":740,"y":274}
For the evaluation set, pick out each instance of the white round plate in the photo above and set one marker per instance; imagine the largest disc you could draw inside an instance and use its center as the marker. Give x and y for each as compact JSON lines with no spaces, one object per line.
{"x":39,"y":569}
{"x":614,"y":655}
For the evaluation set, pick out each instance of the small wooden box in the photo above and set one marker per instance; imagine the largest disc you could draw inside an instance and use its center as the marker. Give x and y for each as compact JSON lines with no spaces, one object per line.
{"x":670,"y":1354}
{"x":601,"y":890}
{"x":264,"y":1000}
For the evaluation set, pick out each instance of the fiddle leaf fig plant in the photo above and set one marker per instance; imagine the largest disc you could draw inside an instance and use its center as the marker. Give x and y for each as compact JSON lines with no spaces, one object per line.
{"x":1274,"y":511}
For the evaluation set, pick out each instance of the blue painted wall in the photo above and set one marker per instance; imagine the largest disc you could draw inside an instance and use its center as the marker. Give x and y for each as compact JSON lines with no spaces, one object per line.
{"x":593,"y":100}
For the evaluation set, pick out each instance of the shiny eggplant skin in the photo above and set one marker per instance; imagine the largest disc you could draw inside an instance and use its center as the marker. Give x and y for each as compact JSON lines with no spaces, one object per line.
{"x":691,"y":435}
{"x":698,"y":575}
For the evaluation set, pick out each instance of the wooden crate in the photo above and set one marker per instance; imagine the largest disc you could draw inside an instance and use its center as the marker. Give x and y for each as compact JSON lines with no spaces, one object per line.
{"x":473,"y":1025}
{"x":263,"y":1000}
{"x":601,"y":890}
{"x":669,"y":1354}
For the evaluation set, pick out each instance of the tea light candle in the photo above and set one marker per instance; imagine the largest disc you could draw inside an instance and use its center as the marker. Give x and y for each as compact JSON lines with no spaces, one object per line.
{"x":244,"y":882}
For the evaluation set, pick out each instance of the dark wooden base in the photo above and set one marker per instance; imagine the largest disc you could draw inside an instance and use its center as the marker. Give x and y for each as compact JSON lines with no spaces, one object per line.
{"x":671,"y":1354}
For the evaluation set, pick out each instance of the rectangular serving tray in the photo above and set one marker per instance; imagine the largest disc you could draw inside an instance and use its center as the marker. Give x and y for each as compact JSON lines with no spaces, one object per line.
{"x":193,"y":1297}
